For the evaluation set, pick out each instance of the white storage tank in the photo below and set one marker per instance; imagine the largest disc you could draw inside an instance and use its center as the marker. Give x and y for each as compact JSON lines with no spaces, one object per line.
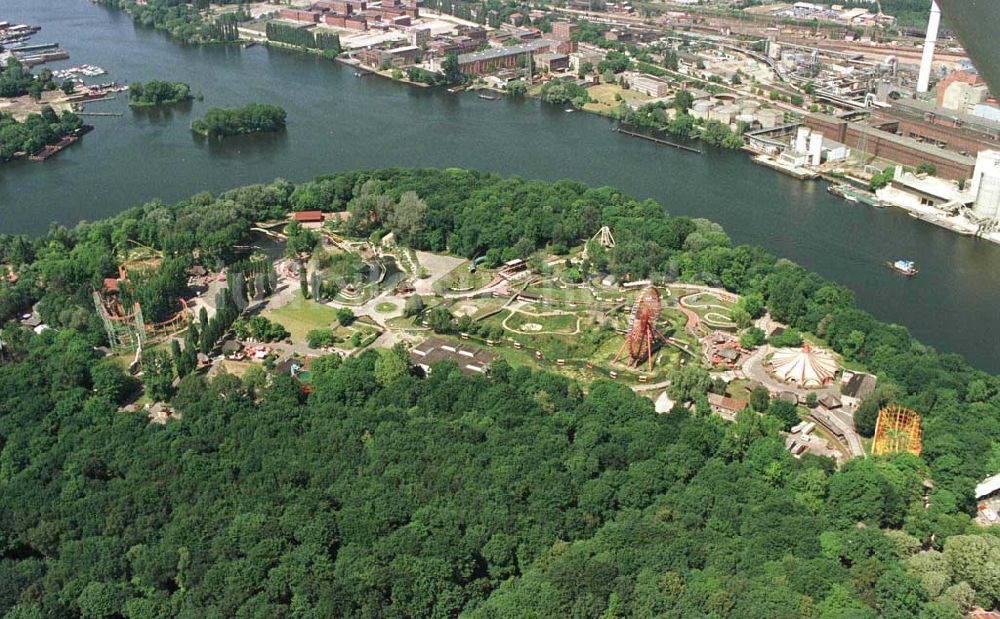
{"x":802,"y":139}
{"x":986,"y":185}
{"x":816,"y":148}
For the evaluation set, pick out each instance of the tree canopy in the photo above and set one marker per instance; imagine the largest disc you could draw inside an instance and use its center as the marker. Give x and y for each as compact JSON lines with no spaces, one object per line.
{"x":382,"y":493}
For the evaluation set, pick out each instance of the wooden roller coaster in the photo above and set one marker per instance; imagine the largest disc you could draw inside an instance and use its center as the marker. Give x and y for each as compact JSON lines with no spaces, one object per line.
{"x":897,"y":430}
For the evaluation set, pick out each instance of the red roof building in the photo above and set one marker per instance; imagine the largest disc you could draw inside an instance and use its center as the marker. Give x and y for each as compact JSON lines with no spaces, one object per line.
{"x":308,"y":216}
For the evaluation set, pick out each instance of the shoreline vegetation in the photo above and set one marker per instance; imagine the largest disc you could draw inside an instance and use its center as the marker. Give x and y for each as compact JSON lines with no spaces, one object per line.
{"x":251,"y":118}
{"x":36,"y":133}
{"x":155,"y":93}
{"x":524,"y":493}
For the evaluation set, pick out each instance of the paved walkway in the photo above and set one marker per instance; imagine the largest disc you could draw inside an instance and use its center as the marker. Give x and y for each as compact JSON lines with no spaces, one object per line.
{"x":753,"y":368}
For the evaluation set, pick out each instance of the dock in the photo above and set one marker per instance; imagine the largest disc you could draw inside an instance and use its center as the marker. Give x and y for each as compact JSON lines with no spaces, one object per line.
{"x":65,"y":141}
{"x":658,"y":140}
{"x":795,"y":171}
{"x":99,"y":114}
{"x":34,"y":48}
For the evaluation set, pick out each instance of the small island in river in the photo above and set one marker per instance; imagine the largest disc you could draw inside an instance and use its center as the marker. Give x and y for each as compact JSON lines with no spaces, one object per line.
{"x":155,"y":93}
{"x":251,"y":118}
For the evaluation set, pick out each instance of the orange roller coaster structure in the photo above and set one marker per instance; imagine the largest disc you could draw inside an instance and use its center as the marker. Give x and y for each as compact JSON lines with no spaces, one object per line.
{"x":642,"y":330}
{"x":897,"y":430}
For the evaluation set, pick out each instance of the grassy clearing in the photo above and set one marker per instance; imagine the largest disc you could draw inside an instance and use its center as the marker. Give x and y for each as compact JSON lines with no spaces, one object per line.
{"x":564,"y":295}
{"x":604,"y":100}
{"x":564,"y":323}
{"x":301,"y":316}
{"x":460,"y":278}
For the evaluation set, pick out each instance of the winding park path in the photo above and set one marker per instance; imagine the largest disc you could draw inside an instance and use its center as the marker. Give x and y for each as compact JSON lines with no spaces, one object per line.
{"x":514,"y":310}
{"x":712,"y":318}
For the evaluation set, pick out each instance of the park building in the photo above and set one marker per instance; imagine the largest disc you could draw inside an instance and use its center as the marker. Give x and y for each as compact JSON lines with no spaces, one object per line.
{"x":470,"y":359}
{"x":805,"y":367}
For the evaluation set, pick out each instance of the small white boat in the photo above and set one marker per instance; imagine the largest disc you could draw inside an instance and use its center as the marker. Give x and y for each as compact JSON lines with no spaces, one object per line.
{"x":904,"y":267}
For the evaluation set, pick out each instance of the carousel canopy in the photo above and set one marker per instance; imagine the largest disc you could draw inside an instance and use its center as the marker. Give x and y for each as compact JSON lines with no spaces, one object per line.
{"x":804,"y":366}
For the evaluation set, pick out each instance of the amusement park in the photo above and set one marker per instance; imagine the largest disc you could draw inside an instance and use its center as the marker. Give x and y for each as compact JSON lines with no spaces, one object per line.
{"x":306,"y":287}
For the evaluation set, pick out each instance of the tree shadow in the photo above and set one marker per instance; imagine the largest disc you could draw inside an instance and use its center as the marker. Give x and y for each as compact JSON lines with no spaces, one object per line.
{"x":162,"y":115}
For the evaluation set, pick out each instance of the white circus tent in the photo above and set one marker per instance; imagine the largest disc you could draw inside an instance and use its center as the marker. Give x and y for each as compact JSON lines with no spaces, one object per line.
{"x":804,"y":366}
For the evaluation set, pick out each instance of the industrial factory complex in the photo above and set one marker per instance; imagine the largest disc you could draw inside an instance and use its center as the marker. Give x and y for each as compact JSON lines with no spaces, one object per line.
{"x":892,"y":114}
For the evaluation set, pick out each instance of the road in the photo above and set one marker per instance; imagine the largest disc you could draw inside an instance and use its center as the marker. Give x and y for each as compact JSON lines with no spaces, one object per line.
{"x":753,"y":368}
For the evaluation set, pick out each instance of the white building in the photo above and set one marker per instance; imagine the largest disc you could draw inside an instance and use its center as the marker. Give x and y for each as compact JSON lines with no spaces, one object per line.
{"x":648,"y":85}
{"x":910,"y":191}
{"x":985,"y":185}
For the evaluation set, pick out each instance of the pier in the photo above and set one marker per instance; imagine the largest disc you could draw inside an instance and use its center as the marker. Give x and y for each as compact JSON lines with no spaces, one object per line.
{"x":34,"y":48}
{"x":658,"y":140}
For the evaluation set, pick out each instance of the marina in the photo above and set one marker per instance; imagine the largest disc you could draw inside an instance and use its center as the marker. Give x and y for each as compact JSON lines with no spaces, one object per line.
{"x":78,"y":72}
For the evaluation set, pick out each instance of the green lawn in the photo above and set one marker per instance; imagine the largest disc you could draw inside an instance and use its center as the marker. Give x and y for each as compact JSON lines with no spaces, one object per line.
{"x":301,"y":316}
{"x":461,"y":279}
{"x":563,"y":323}
{"x":569,"y":295}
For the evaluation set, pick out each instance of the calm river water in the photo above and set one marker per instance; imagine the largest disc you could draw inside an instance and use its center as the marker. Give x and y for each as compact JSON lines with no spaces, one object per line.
{"x":339,"y":122}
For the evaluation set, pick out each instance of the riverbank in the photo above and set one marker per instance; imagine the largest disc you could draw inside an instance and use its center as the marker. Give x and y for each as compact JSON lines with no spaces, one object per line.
{"x":339,"y":122}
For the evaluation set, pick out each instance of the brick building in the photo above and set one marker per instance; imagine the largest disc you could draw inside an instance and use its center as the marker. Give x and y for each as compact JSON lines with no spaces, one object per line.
{"x":386,"y":58}
{"x":299,"y":15}
{"x":965,"y":83}
{"x":552,"y":62}
{"x":563,"y":30}
{"x":876,"y":142}
{"x":496,"y":59}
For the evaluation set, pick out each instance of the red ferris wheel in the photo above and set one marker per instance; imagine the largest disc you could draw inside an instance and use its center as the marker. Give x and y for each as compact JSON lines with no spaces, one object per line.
{"x":642,"y":329}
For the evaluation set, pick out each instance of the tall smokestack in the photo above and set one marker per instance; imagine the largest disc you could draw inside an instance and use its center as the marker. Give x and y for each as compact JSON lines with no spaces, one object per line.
{"x":923,"y":80}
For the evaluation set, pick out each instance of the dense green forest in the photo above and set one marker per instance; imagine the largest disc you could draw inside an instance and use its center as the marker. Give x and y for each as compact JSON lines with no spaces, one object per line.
{"x":183,"y":20}
{"x":290,"y":35}
{"x":155,"y":92}
{"x":384,"y":494}
{"x":251,"y":118}
{"x":35,"y":132}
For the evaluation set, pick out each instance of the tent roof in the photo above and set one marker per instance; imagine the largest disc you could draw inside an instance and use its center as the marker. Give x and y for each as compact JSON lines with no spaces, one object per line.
{"x":804,"y":366}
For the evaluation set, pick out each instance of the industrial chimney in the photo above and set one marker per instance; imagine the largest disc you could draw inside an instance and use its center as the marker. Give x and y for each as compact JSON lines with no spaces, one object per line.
{"x":923,"y":80}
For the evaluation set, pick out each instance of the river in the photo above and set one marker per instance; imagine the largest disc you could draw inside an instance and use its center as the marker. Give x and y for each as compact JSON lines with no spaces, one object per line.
{"x":339,"y":122}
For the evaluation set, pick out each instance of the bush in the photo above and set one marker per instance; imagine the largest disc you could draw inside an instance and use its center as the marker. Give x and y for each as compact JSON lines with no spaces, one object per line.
{"x":413,"y":306}
{"x":785,"y":411}
{"x":320,"y":338}
{"x":787,"y":339}
{"x":345,"y":317}
{"x":752,"y":338}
